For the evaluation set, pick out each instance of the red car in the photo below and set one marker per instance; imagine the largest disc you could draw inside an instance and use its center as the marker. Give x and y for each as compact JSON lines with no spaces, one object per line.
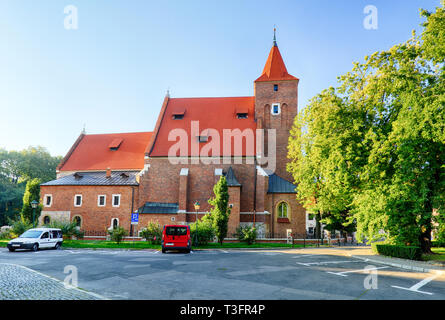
{"x":176,"y":237}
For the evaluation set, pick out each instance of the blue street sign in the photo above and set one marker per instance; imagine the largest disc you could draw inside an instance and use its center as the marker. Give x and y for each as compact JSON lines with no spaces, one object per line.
{"x":135,"y":218}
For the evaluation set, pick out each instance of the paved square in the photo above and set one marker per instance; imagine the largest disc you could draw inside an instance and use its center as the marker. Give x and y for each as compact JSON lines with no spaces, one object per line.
{"x":220,"y":274}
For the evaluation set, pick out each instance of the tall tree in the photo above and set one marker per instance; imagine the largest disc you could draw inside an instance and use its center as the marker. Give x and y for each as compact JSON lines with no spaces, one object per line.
{"x":220,"y":211}
{"x":32,"y":193}
{"x":374,"y":147}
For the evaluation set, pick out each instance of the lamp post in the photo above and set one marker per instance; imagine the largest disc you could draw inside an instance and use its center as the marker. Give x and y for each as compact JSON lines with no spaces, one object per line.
{"x":197,"y":206}
{"x":34,"y":205}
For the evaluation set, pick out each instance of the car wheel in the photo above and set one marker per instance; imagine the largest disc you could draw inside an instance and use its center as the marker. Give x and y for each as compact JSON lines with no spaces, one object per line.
{"x":57,"y":246}
{"x":35,"y":247}
{"x":11,"y":249}
{"x":163,"y":250}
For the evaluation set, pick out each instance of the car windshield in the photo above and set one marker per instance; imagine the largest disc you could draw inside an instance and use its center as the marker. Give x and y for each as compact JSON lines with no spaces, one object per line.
{"x":176,"y":231}
{"x":31,"y":234}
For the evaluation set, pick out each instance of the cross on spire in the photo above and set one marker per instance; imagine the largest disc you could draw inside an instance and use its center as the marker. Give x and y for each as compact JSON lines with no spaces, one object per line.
{"x":274,"y":36}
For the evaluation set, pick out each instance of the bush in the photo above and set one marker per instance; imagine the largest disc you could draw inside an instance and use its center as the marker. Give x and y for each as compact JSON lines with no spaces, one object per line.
{"x":246,"y":234}
{"x":152,"y":233}
{"x":202,"y":231}
{"x":19,"y":227}
{"x":117,"y":234}
{"x":4,"y":235}
{"x":404,"y":252}
{"x":69,"y":229}
{"x":437,"y":244}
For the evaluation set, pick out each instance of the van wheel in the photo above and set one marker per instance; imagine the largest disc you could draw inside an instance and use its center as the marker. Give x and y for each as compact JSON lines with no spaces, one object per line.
{"x":57,"y":246}
{"x":35,"y":247}
{"x":11,"y":249}
{"x":187,"y":251}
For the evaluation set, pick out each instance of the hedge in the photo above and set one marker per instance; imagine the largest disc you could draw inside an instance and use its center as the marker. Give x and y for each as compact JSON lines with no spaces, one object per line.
{"x":437,"y":244}
{"x":404,"y":252}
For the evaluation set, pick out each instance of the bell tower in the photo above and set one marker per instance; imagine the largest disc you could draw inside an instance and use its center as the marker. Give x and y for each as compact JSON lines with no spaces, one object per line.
{"x":276,"y":105}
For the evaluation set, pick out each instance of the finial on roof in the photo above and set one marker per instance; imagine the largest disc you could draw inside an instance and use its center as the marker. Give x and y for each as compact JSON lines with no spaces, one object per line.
{"x":274,"y":36}
{"x":83,"y":129}
{"x":168,"y":92}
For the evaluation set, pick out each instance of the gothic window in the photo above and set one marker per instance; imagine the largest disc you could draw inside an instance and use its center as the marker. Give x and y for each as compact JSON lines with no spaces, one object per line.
{"x":282,"y":210}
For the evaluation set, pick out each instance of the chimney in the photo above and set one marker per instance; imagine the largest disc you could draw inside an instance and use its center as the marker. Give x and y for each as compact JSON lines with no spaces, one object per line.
{"x":108,"y":172}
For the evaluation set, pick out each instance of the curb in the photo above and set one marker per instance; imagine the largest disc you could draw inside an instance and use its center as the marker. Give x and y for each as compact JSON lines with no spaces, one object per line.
{"x":398,"y":265}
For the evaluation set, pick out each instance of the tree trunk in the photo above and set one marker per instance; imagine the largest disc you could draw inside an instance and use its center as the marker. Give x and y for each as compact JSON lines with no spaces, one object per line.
{"x":425,"y":240}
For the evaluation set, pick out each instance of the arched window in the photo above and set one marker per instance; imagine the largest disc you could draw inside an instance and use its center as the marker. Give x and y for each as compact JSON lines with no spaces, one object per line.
{"x":78,"y":221}
{"x":46,"y":220}
{"x":282,"y":210}
{"x":115,"y":223}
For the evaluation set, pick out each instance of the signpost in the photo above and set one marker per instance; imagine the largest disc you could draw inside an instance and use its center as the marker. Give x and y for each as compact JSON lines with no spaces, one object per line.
{"x":134,"y":221}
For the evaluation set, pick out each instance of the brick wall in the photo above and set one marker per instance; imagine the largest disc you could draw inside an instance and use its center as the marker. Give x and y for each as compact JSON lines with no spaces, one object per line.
{"x":287,"y":96}
{"x":94,"y":218}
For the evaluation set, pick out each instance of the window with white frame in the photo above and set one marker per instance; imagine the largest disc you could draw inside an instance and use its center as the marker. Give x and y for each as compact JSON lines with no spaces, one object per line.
{"x":101,"y":200}
{"x":275,"y":108}
{"x":78,"y":200}
{"x":116,"y":200}
{"x":48,"y":200}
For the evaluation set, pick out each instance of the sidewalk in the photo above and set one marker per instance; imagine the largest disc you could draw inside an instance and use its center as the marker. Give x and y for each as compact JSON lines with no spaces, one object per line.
{"x":365,"y":253}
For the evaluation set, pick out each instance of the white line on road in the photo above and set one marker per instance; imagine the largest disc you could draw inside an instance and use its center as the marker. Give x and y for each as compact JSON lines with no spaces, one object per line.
{"x":417,"y":286}
{"x":352,"y":271}
{"x":305,"y":255}
{"x":263,"y":269}
{"x":307,"y":264}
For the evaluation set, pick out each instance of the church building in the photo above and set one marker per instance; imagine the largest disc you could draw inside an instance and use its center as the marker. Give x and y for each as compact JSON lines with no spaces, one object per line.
{"x":162,"y":174}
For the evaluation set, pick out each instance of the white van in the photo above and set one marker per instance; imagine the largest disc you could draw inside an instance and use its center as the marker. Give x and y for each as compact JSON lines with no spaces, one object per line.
{"x":38,"y":238}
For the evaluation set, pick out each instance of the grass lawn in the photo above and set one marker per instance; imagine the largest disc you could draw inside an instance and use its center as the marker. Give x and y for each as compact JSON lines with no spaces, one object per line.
{"x":101,"y":244}
{"x":440,"y":256}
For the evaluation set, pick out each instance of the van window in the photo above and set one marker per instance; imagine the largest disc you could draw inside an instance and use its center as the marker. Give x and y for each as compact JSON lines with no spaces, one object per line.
{"x":45,"y":236}
{"x":176,"y":231}
{"x":54,"y":234}
{"x":31,"y":234}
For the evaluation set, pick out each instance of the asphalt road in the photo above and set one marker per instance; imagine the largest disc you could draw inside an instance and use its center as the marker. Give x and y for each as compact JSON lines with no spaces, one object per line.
{"x":220,"y":274}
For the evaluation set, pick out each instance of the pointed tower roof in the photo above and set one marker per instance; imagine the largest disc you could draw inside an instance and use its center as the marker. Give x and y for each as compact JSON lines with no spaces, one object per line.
{"x":275,"y":69}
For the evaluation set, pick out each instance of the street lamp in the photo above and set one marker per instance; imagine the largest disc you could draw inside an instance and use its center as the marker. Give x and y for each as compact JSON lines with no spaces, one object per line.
{"x":34,"y":205}
{"x":197,"y":206}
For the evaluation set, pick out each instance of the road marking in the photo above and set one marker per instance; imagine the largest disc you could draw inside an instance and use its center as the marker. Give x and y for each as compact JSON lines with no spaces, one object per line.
{"x":352,"y":271}
{"x":417,"y":286}
{"x":305,"y":255}
{"x":224,"y":251}
{"x":191,"y":262}
{"x":307,"y":264}
{"x":264,"y":269}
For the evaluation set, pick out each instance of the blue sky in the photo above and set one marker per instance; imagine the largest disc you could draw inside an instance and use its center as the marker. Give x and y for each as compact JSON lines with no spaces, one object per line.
{"x":112,"y":73}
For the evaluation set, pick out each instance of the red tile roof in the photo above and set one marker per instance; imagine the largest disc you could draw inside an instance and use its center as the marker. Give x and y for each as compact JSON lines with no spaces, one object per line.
{"x":275,"y":69}
{"x":92,"y":152}
{"x":212,"y":113}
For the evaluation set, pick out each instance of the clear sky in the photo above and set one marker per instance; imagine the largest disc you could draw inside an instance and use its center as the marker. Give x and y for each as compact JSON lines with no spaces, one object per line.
{"x":112,"y":73}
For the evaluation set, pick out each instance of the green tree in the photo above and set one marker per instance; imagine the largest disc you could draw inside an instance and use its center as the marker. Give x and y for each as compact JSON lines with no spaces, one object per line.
{"x":373,"y":148}
{"x":32,"y":193}
{"x":16,"y":169}
{"x":220,"y":211}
